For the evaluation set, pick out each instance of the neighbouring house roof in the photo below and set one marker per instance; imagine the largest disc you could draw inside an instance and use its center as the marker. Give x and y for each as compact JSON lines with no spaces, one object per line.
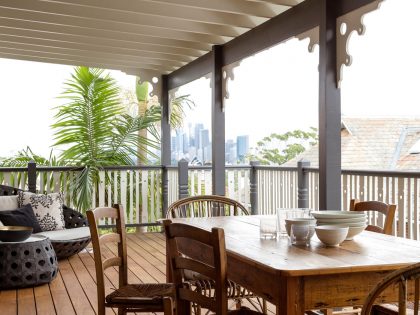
{"x":375,"y":144}
{"x":127,"y":35}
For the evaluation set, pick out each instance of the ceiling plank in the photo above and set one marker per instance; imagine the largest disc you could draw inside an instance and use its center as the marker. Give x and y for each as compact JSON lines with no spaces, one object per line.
{"x":81,"y":60}
{"x":262,"y":9}
{"x":150,"y":51}
{"x":120,"y":19}
{"x":172,"y":10}
{"x":70,"y":62}
{"x":13,"y":42}
{"x":103,"y":26}
{"x":110,"y":37}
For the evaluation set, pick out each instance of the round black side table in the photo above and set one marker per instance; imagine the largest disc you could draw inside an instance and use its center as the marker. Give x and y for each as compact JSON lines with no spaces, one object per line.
{"x":28,"y":263}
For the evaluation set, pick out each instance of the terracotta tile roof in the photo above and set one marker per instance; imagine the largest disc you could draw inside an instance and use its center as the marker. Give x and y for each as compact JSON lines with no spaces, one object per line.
{"x":375,"y":144}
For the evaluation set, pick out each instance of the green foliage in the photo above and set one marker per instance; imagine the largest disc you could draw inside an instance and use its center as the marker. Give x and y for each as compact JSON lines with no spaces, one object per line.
{"x":94,"y":130}
{"x":277,"y":149}
{"x":23,"y":157}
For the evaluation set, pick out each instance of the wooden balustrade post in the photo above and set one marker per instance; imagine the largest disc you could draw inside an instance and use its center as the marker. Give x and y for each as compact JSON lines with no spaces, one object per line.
{"x":32,"y":176}
{"x":253,"y":187}
{"x":183,"y":179}
{"x":303,"y":183}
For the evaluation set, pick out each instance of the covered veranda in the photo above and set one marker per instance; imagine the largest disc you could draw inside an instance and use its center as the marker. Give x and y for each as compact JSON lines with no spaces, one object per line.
{"x":176,"y":42}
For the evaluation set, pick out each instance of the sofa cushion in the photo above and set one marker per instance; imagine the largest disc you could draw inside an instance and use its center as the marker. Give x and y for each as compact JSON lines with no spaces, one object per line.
{"x":20,"y":217}
{"x":8,"y":203}
{"x":67,"y":234}
{"x":48,"y":209}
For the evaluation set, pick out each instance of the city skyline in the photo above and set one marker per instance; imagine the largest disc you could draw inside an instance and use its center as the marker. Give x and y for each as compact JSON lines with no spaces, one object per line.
{"x":193,"y":143}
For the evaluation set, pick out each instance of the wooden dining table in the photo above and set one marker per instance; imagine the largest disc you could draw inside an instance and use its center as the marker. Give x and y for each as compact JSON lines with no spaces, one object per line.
{"x":301,"y":278}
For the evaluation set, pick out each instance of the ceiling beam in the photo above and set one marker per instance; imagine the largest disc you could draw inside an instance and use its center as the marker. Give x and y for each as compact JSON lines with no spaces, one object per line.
{"x":112,"y":38}
{"x":103,"y":17}
{"x":140,"y":8}
{"x":292,"y":22}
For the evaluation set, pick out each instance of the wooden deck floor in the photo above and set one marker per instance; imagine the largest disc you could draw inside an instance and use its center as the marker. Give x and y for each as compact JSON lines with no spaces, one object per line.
{"x":74,"y":289}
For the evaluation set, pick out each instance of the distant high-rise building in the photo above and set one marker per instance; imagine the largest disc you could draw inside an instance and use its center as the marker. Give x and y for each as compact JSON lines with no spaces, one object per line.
{"x":185,"y":143}
{"x":242,"y":147}
{"x":197,"y":129}
{"x":204,"y":138}
{"x":230,"y":152}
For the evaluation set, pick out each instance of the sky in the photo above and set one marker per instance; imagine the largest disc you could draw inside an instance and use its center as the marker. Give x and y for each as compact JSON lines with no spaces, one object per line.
{"x":273,"y":91}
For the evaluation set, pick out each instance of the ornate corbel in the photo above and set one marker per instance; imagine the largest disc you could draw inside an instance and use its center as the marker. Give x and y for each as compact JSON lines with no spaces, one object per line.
{"x":171,"y":97}
{"x":313,"y":35}
{"x":154,"y":79}
{"x":228,"y":75}
{"x":346,"y":24}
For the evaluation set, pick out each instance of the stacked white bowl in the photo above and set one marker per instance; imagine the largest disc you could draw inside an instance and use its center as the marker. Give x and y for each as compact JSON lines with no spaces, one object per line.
{"x":356,"y":221}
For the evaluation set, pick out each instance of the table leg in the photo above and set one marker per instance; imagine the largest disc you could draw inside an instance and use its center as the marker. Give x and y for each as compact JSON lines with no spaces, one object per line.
{"x":292,"y":297}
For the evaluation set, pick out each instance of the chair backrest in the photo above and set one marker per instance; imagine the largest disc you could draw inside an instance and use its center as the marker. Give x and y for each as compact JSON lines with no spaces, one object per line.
{"x":401,"y":280}
{"x":119,"y":237}
{"x":205,"y":206}
{"x":388,"y":210}
{"x":210,"y":260}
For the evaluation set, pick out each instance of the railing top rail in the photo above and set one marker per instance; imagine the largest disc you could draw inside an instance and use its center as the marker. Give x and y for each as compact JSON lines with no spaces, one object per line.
{"x":13,"y":169}
{"x":275,"y":168}
{"x":382,"y":173}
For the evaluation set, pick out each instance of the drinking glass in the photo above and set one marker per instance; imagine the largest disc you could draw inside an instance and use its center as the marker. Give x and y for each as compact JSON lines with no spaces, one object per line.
{"x":301,"y":234}
{"x":268,"y":228}
{"x":283,"y":214}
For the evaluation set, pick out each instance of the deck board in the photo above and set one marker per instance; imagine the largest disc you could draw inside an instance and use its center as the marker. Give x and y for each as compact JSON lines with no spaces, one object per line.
{"x":73,"y":292}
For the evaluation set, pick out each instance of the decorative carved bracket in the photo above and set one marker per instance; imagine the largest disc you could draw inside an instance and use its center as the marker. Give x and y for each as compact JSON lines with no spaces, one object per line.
{"x":228,"y":74}
{"x":154,"y":79}
{"x":313,"y":35}
{"x":171,"y":97}
{"x":346,"y":24}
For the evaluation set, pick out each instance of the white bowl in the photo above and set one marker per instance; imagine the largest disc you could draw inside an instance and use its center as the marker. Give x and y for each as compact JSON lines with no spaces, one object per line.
{"x":344,"y":219}
{"x":342,"y":224}
{"x":330,"y":214}
{"x":353,"y":231}
{"x":299,"y":221}
{"x":331,"y":235}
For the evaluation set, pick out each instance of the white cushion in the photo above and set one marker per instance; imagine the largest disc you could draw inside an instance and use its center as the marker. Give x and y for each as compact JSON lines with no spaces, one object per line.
{"x":8,"y":203}
{"x":67,"y":234}
{"x":48,"y":209}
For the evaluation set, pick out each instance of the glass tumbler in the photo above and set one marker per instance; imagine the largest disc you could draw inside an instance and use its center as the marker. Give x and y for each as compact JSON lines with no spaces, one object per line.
{"x":301,"y":234}
{"x":268,"y":228}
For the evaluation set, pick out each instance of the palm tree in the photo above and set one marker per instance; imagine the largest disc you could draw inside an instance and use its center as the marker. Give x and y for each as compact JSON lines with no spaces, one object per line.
{"x":94,"y":129}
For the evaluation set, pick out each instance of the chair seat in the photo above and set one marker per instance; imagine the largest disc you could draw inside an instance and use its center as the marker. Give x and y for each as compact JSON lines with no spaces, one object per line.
{"x":140,"y":294}
{"x":392,"y":309}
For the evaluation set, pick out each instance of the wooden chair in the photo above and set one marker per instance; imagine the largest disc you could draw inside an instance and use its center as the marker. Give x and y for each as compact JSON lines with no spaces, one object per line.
{"x":388,"y":210}
{"x":153,"y":297}
{"x":210,"y":206}
{"x":205,"y":206}
{"x":403,"y":283}
{"x":212,"y":263}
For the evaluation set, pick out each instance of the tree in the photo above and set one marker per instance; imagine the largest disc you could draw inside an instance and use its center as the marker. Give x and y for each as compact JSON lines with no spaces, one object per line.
{"x":94,"y":130}
{"x":277,"y":149}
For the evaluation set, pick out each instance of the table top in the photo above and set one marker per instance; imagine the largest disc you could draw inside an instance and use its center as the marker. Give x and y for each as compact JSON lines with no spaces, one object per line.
{"x":31,"y":239}
{"x":368,"y":251}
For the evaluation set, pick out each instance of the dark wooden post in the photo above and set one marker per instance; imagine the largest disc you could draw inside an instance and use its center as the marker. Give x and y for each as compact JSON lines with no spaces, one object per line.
{"x":303,"y":183}
{"x":165,"y":142}
{"x":253,"y":187}
{"x":218,"y":124}
{"x":32,"y":176}
{"x":329,"y":110}
{"x":183,"y":179}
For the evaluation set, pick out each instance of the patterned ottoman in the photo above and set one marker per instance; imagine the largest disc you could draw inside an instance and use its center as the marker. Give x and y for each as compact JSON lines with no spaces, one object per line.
{"x":28,"y":263}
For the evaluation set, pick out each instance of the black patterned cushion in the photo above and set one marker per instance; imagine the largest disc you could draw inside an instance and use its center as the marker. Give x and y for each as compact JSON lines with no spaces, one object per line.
{"x":48,"y":209}
{"x":21,"y":217}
